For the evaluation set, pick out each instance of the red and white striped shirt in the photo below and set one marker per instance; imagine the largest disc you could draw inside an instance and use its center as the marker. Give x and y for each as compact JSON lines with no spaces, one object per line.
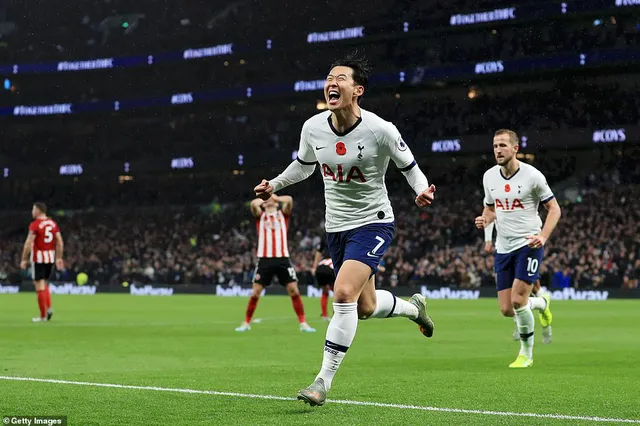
{"x":44,"y":243}
{"x":272,"y":234}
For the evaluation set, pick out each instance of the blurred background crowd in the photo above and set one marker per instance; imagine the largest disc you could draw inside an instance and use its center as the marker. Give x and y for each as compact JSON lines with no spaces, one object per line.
{"x":130,"y":215}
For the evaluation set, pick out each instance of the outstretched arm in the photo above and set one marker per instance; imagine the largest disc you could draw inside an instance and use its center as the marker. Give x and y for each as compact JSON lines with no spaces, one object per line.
{"x":403,"y":157}
{"x":298,"y":170}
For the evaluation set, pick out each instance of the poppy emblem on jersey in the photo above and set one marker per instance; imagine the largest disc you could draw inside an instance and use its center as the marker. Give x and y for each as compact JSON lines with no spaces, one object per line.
{"x":401,"y":145}
{"x":341,"y":149}
{"x":507,"y":188}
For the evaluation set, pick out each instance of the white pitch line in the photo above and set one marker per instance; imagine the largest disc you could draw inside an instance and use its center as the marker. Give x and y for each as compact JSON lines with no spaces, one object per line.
{"x":333,"y":401}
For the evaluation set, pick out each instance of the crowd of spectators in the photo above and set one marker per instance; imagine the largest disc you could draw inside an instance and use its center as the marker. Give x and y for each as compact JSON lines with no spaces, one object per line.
{"x":587,"y":102}
{"x":597,"y":243}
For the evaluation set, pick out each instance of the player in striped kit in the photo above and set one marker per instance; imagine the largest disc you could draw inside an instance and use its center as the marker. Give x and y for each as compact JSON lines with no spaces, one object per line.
{"x":325,"y":276}
{"x":272,"y":223}
{"x":45,"y":245}
{"x":353,"y":147}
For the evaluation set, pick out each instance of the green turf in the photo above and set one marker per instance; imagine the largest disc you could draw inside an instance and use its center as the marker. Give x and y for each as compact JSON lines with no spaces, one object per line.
{"x":189,"y":342}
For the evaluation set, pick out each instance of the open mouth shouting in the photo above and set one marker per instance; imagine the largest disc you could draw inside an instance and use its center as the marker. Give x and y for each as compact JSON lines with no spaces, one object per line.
{"x":334,"y":97}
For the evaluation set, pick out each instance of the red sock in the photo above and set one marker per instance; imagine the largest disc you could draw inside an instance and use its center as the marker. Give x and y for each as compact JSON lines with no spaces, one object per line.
{"x":251,"y":307}
{"x":324,"y":301}
{"x":298,"y":307}
{"x":48,"y":297}
{"x":42,"y":303}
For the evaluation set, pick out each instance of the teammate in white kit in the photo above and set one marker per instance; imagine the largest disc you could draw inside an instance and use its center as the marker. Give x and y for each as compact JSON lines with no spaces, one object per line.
{"x":535,"y":289}
{"x":353,"y":148}
{"x":512,"y":194}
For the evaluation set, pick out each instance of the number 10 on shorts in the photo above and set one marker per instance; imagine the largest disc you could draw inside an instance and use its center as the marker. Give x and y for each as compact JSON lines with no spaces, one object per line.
{"x":532,"y":265}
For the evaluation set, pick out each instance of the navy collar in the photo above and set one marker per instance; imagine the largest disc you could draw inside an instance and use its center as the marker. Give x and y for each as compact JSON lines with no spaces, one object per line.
{"x":508,"y":178}
{"x":346,"y":132}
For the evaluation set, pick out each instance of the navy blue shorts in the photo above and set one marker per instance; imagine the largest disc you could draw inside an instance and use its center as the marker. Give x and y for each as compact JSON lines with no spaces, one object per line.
{"x":523,"y":264}
{"x":366,"y":244}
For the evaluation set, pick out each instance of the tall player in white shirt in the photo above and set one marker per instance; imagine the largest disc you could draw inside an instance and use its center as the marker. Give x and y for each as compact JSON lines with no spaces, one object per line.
{"x":353,"y":148}
{"x":535,"y":290}
{"x":512,"y":194}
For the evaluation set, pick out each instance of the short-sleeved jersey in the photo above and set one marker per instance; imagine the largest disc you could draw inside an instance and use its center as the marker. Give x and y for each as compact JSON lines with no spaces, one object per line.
{"x":353,"y":165}
{"x":272,"y":234}
{"x":44,"y":244}
{"x":516,"y":202}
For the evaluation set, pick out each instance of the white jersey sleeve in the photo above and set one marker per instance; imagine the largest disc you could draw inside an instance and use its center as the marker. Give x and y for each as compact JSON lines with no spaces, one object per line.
{"x":301,"y":168}
{"x":541,"y":187}
{"x":395,"y":147}
{"x":305,"y":150}
{"x":403,"y":158}
{"x":488,"y":198}
{"x":488,"y":232}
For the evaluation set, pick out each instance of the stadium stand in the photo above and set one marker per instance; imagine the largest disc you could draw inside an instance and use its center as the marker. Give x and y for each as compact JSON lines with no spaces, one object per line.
{"x":127,"y":219}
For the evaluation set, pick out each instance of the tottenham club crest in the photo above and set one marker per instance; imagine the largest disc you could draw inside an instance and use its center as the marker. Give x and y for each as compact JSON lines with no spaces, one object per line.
{"x":360,"y":148}
{"x":401,"y":145}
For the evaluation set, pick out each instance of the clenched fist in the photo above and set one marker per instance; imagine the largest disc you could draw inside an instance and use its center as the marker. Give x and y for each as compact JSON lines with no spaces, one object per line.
{"x":264,"y":190}
{"x":425,"y":198}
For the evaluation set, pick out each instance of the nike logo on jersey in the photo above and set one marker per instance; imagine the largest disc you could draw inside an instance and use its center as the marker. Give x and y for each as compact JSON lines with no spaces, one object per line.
{"x":493,"y":189}
{"x":318,"y":148}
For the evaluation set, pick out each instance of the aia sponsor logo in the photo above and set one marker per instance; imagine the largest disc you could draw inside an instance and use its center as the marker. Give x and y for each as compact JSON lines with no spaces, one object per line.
{"x":338,"y":176}
{"x":508,"y":205}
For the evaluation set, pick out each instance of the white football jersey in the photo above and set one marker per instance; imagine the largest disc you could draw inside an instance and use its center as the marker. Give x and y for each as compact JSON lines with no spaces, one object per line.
{"x":353,"y":165}
{"x":516,"y":202}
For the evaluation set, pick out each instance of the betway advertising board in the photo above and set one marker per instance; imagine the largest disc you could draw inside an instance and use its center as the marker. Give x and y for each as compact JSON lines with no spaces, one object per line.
{"x":433,"y":293}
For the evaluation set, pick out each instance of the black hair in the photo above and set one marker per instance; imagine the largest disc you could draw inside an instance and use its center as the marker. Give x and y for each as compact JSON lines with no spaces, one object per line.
{"x":41,"y":206}
{"x":360,"y":66}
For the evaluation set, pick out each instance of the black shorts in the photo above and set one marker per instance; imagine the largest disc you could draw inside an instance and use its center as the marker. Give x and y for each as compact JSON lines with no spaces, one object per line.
{"x":325,"y":275}
{"x":280,"y":267}
{"x":41,"y":271}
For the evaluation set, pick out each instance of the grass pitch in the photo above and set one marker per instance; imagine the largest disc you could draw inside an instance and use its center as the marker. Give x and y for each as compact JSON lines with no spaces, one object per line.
{"x":188,"y":342}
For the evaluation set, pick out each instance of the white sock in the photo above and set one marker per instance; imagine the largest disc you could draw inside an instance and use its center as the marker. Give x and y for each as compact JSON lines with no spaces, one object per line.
{"x":526,"y":323}
{"x":340,"y":334}
{"x":537,"y":303}
{"x":388,"y":305}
